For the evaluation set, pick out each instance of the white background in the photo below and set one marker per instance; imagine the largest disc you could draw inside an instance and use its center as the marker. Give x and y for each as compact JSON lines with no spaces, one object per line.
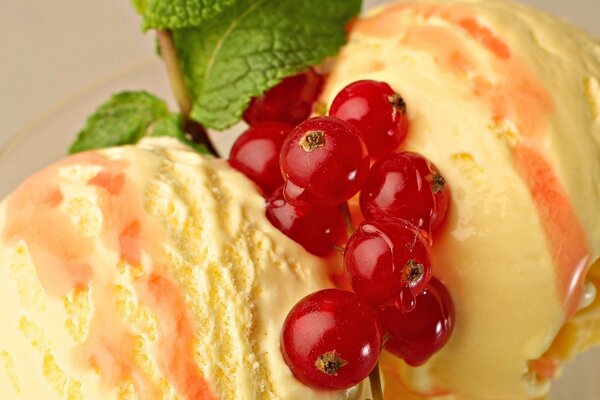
{"x":50,"y":50}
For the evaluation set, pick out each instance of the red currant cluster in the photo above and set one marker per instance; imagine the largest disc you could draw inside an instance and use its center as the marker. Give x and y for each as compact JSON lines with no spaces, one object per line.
{"x":332,"y":339}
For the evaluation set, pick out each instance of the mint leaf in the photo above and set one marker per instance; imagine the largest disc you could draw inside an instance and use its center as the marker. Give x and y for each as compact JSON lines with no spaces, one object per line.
{"x":177,"y":14}
{"x":121,"y":120}
{"x":171,"y":126}
{"x":252,"y":46}
{"x":126,"y":118}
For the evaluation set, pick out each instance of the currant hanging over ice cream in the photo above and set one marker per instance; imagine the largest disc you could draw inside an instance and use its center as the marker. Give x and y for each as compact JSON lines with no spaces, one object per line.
{"x":406,"y":186}
{"x":255,"y":153}
{"x":291,"y":101}
{"x":318,"y":228}
{"x":388,"y":263}
{"x":376,"y":111}
{"x":324,"y":160}
{"x":416,"y":335}
{"x":331,"y":340}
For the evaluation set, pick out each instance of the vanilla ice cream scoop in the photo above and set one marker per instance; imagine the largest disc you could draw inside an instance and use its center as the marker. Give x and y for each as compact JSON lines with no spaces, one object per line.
{"x":147,"y":272}
{"x":505,"y":100}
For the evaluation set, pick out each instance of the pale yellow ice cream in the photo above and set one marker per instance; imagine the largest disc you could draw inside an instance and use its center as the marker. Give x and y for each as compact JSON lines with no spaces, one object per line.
{"x":151,"y":272}
{"x":505,"y":100}
{"x":147,"y":273}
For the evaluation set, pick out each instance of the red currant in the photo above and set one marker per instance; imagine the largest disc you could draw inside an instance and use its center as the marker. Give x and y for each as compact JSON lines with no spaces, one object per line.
{"x":290,"y":101}
{"x":323,"y":160}
{"x":256,"y":154}
{"x":388,"y":263}
{"x":318,"y":228}
{"x":417,"y":335}
{"x":376,"y":111}
{"x":331,"y":340}
{"x":406,"y":186}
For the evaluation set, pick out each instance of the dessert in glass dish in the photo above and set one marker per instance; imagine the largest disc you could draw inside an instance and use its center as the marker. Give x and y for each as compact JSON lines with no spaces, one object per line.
{"x":408,"y":212}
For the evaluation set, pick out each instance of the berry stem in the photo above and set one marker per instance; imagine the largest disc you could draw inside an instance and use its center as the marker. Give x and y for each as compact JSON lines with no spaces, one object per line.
{"x":182,"y":95}
{"x":198,"y":134}
{"x":341,"y":249}
{"x":345,"y":209}
{"x":374,"y":377}
{"x":375,"y":380}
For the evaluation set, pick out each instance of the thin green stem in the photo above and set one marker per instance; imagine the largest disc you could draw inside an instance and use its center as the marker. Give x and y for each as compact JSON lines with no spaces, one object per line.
{"x":374,"y":377}
{"x":375,"y":380}
{"x":169,"y":55}
{"x":193,"y":129}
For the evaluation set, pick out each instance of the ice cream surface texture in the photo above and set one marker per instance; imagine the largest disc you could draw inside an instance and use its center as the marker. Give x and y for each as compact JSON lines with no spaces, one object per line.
{"x":147,"y":272}
{"x":505,"y":100}
{"x":150,"y":272}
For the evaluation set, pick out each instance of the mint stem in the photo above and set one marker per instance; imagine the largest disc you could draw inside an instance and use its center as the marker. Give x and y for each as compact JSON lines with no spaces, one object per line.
{"x":375,"y":380}
{"x":169,"y":54}
{"x":374,"y":377}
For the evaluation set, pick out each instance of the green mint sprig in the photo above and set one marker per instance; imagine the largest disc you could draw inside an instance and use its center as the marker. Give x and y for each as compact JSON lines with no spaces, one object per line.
{"x":241,"y":48}
{"x":219,"y":54}
{"x":126,"y":118}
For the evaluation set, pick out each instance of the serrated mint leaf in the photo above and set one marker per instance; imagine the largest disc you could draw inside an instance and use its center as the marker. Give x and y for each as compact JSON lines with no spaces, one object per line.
{"x":177,"y":14}
{"x":121,"y":120}
{"x":171,"y":126}
{"x":252,"y":46}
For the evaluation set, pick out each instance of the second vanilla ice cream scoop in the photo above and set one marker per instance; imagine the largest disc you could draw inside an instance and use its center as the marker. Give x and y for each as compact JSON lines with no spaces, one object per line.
{"x":505,"y":100}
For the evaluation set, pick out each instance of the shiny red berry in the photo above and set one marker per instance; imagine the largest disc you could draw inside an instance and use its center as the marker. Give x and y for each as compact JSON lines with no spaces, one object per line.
{"x":290,"y":101}
{"x":331,"y":340}
{"x":323,"y":160}
{"x":256,"y":154}
{"x":318,"y":228}
{"x":417,"y":335}
{"x":406,"y":186}
{"x":376,"y":111}
{"x":388,"y":263}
